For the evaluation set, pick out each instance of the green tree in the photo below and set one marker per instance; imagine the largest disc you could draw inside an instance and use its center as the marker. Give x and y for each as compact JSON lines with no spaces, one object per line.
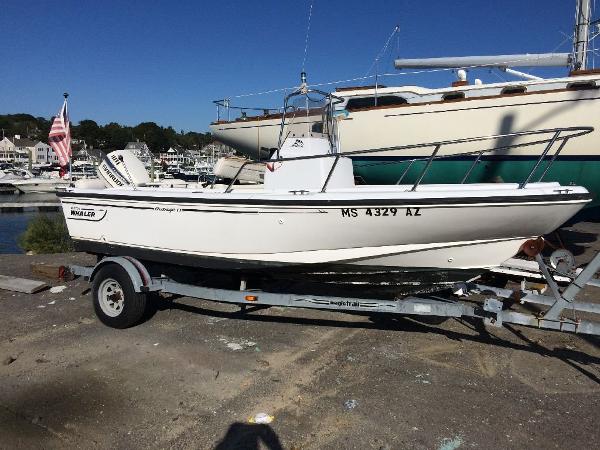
{"x":111,"y":136}
{"x":90,"y":132}
{"x":116,"y":136}
{"x":46,"y":234}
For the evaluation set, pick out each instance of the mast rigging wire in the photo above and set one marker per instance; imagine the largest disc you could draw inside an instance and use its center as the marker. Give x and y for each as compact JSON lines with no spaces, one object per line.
{"x":388,"y":74}
{"x":383,"y":50}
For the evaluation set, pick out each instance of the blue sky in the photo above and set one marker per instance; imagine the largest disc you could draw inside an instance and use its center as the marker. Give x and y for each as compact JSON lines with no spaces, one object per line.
{"x":165,"y":61}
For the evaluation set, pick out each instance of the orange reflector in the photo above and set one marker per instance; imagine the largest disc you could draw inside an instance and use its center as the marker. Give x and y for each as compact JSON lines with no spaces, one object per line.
{"x":251,"y":298}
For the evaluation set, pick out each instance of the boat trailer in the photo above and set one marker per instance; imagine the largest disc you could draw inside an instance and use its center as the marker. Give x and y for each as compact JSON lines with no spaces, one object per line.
{"x":121,"y":284}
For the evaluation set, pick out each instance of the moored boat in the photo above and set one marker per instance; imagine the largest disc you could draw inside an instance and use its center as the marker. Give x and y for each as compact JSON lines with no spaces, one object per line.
{"x":39,"y":185}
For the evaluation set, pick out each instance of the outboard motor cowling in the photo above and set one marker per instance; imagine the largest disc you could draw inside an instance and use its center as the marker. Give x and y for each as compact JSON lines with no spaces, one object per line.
{"x":122,"y":168}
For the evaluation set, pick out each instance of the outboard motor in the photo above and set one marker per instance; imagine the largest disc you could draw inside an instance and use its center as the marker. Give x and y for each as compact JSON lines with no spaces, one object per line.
{"x":122,"y":168}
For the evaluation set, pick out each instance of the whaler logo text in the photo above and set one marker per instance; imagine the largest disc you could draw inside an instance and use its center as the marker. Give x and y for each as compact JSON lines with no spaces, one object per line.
{"x":83,"y":212}
{"x":94,"y":214}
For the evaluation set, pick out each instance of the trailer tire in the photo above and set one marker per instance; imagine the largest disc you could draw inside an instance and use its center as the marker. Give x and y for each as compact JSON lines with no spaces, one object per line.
{"x":115,"y":301}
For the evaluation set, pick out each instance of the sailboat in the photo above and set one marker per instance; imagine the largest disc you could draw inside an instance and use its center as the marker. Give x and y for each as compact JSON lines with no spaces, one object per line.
{"x":383,"y":120}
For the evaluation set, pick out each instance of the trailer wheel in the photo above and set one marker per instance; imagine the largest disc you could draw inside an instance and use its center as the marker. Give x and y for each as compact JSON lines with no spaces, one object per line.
{"x":115,"y":301}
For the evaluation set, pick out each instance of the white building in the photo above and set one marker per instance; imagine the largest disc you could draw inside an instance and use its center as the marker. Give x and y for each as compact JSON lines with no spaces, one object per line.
{"x":19,"y":151}
{"x":7,"y":150}
{"x":24,"y":149}
{"x":176,"y":156}
{"x":173,"y":157}
{"x":43,"y":154}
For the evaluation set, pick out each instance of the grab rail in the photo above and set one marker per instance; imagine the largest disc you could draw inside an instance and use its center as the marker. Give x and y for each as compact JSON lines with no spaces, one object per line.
{"x":226,"y":104}
{"x":557,"y":135}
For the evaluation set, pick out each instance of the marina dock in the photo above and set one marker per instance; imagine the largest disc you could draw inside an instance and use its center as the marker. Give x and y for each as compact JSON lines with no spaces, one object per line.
{"x":27,"y":203}
{"x":29,"y":207}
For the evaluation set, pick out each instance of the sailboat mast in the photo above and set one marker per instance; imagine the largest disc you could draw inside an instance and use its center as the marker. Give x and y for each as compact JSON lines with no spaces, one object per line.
{"x":580,"y":43}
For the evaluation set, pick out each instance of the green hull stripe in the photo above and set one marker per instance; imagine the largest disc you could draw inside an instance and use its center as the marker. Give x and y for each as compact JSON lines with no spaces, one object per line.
{"x":581,"y":173}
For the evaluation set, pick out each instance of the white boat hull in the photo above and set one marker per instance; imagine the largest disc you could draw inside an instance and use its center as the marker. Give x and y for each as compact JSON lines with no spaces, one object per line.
{"x":378,"y":227}
{"x":37,"y":186}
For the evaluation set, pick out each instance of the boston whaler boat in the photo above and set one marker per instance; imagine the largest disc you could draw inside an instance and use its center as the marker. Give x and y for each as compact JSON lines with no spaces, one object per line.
{"x":309,"y":219}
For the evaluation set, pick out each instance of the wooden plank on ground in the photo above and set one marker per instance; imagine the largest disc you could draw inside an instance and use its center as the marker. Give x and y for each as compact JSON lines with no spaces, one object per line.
{"x":21,"y":284}
{"x":54,"y":271}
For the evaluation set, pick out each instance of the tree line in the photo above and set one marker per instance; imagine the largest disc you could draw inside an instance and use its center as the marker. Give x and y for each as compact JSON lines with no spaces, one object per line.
{"x":107,"y":137}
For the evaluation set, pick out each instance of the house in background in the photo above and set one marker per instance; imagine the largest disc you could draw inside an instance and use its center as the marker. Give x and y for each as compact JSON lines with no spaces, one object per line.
{"x":7,"y":150}
{"x":24,"y":149}
{"x":19,"y":151}
{"x":172,"y":157}
{"x":43,"y":154}
{"x":207,"y":156}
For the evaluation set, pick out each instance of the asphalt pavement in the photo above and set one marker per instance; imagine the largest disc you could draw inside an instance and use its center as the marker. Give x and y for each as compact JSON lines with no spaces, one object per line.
{"x":194,"y":373}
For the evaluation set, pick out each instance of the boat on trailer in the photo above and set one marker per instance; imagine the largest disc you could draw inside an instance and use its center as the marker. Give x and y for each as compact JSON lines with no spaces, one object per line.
{"x":390,"y":118}
{"x":310,"y":219}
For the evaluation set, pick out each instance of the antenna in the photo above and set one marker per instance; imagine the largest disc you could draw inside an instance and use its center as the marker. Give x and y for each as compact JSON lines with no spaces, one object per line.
{"x":307,"y":34}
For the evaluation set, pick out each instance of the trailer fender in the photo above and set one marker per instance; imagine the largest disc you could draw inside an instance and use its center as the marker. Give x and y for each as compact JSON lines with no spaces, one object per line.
{"x":138,"y":274}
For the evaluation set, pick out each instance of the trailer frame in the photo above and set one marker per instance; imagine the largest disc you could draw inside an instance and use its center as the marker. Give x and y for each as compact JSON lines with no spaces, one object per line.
{"x":561,"y":314}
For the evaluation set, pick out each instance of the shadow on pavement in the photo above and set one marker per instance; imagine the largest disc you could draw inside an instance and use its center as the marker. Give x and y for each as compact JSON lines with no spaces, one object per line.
{"x":387,"y":322}
{"x":585,"y":215}
{"x":575,"y":241}
{"x":244,"y":436}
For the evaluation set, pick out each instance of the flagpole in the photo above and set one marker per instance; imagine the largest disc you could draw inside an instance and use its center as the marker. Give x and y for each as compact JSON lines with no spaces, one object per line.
{"x":66,"y":95}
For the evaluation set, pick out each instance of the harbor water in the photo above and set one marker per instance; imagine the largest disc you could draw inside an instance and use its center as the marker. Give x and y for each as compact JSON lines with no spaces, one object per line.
{"x":11,"y":227}
{"x":13,"y":224}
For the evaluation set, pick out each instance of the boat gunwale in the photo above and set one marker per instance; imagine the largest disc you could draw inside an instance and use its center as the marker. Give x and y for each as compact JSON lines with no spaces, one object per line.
{"x":227,"y":199}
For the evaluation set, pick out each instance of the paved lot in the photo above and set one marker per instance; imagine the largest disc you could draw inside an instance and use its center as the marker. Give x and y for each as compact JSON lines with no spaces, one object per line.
{"x":192,"y":375}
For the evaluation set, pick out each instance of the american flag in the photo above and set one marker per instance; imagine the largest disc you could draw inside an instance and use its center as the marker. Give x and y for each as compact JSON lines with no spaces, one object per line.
{"x":60,"y":136}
